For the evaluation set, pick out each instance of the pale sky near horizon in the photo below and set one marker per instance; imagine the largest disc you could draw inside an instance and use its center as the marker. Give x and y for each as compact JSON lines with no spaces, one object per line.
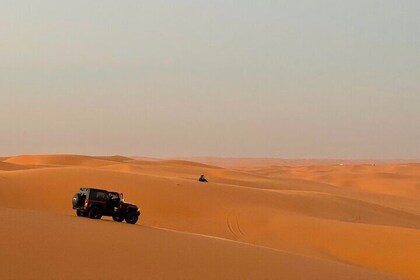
{"x":295,"y":79}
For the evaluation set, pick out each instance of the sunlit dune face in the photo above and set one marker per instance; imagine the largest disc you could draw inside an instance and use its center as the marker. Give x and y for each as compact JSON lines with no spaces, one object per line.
{"x":326,"y":221}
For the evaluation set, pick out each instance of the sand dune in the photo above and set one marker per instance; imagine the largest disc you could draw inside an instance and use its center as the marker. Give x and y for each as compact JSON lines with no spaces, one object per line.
{"x":394,"y":179}
{"x":73,"y":160}
{"x":289,"y":223}
{"x":116,"y":158}
{"x":147,"y":252}
{"x":5,"y":166}
{"x":239,"y":163}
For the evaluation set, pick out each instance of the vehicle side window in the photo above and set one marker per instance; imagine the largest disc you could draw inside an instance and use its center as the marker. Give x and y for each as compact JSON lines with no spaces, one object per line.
{"x":98,"y":195}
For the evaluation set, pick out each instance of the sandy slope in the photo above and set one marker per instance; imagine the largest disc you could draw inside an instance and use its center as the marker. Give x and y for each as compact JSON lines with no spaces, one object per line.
{"x":53,"y":246}
{"x":59,"y":160}
{"x":309,"y":227}
{"x":394,"y":179}
{"x":5,"y":166}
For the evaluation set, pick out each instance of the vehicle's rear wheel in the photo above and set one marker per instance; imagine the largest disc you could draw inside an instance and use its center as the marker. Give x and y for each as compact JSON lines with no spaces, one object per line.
{"x":95,"y":213}
{"x":79,"y":213}
{"x":131,"y":218}
{"x":118,"y":217}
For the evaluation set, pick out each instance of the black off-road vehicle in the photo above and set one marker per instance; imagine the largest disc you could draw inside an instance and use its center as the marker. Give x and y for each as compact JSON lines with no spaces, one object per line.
{"x":95,"y":203}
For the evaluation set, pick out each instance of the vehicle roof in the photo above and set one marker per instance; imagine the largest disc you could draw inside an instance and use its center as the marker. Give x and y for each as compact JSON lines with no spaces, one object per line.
{"x":94,"y":189}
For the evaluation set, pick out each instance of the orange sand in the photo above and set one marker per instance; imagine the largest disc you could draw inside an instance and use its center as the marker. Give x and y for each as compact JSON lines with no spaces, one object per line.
{"x":256,"y":219}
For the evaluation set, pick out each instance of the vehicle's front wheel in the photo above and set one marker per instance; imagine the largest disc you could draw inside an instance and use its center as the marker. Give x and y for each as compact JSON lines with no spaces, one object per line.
{"x":131,"y":218}
{"x":118,"y":217}
{"x":95,"y":213}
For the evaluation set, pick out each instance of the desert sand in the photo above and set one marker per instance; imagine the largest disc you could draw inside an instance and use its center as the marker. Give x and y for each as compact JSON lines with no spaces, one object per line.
{"x":255,"y":219}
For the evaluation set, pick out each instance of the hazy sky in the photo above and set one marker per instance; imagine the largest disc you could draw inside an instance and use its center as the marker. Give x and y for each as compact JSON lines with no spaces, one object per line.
{"x":296,"y":79}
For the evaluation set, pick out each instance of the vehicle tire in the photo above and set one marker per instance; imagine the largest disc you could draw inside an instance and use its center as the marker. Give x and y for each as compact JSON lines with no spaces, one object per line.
{"x":118,"y":218}
{"x":95,"y":213}
{"x":77,"y":199}
{"x":131,"y":218}
{"x":79,"y":213}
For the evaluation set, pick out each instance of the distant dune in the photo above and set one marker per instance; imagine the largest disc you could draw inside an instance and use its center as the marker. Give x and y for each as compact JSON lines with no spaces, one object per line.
{"x":264,"y":162}
{"x":255,"y":219}
{"x":5,"y":166}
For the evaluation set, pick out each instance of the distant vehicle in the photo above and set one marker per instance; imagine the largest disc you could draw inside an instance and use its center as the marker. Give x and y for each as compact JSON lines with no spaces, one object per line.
{"x":95,"y":203}
{"x":203,"y":179}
